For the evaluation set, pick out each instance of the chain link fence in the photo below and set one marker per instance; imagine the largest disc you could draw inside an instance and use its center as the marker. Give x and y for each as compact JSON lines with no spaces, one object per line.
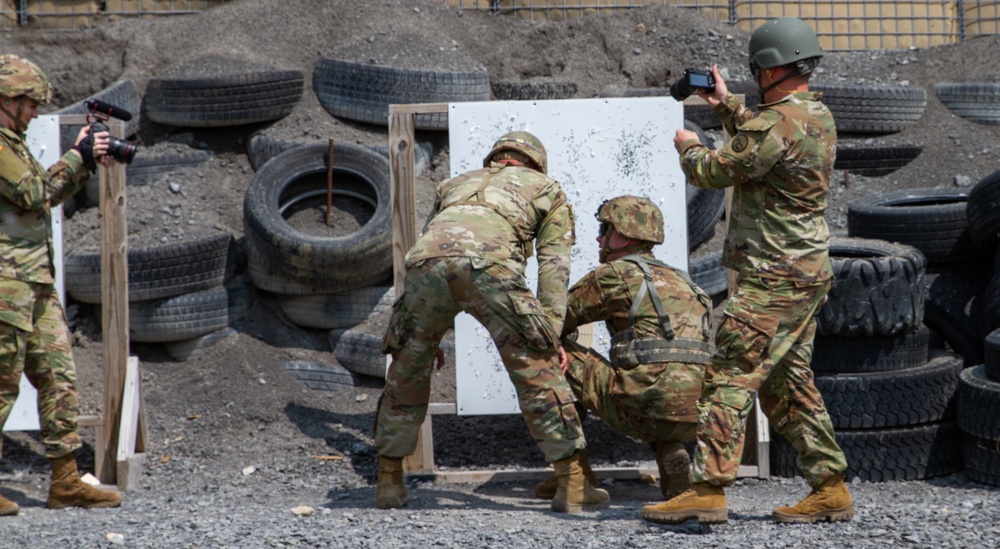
{"x":75,"y":15}
{"x":840,"y":24}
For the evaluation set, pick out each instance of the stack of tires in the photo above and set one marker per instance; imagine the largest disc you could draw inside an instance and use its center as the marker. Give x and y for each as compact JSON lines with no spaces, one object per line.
{"x":890,"y":399}
{"x":979,"y":392}
{"x":182,"y":295}
{"x":979,"y":416}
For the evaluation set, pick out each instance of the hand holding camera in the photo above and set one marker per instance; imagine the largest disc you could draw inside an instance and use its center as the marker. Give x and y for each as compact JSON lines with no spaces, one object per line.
{"x":708,"y":84}
{"x":120,"y":150}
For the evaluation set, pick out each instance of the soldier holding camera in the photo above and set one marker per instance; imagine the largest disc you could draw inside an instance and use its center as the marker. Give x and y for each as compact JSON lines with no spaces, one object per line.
{"x":34,"y":337}
{"x":778,"y":162}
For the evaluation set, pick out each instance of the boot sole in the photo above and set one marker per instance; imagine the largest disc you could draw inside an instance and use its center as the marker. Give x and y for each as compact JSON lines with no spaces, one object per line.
{"x":101,"y":505}
{"x":394,"y":504}
{"x":833,"y":515}
{"x":706,"y":516}
{"x":576,"y":509}
{"x":10,"y":512}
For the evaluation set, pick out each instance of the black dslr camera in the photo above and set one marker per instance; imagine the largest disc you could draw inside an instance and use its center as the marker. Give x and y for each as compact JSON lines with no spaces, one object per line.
{"x":120,"y":149}
{"x":692,"y":81}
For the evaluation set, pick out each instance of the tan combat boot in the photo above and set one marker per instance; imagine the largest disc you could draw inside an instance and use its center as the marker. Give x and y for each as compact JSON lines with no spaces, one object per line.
{"x":705,"y":502}
{"x":8,"y":507}
{"x":829,"y":500}
{"x":67,"y":490}
{"x":675,"y":469}
{"x":390,"y":492}
{"x":575,"y":493}
{"x":548,"y":487}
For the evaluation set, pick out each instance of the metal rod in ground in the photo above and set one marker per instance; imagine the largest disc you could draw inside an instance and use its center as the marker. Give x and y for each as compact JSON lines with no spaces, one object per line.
{"x":329,"y":184}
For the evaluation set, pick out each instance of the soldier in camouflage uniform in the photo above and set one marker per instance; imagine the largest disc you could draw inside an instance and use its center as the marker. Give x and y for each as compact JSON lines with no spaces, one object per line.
{"x":471,"y":257}
{"x":660,"y":323}
{"x":34,"y":338}
{"x":778,"y":163}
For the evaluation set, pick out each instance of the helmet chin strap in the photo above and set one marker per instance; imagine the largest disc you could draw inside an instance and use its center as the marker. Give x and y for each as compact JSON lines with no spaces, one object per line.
{"x":763,"y":91}
{"x":19,"y":125}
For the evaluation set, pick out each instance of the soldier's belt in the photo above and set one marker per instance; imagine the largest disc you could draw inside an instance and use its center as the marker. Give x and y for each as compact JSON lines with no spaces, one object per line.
{"x":632,"y":353}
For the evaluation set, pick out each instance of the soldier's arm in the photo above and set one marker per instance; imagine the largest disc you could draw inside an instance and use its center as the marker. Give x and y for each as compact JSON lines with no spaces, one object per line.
{"x":750,"y":154}
{"x":553,"y":244}
{"x":66,"y":178}
{"x":732,"y":113}
{"x":20,"y":185}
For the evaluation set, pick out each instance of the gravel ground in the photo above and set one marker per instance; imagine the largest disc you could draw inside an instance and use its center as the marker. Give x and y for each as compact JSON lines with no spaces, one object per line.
{"x":236,"y":445}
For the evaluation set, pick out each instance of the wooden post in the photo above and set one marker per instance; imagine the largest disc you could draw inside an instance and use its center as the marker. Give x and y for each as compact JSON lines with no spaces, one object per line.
{"x":404,"y":234}
{"x":114,"y":303}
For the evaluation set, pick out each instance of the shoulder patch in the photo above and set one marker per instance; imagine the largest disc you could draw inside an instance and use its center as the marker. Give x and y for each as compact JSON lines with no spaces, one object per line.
{"x":740,"y":143}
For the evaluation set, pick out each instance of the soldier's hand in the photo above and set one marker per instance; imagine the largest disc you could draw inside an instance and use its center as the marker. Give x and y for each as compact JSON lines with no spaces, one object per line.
{"x":683,"y":135}
{"x":563,"y":360}
{"x":719,"y":95}
{"x":439,"y":358}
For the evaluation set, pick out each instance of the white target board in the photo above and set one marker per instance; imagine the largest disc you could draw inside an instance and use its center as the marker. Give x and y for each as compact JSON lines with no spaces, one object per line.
{"x":42,"y":138}
{"x":597,"y":149}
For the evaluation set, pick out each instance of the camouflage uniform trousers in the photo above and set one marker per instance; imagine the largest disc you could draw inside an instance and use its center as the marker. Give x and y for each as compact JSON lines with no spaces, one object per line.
{"x":435,"y":290}
{"x":765,"y":342}
{"x":625,"y":407}
{"x":45,"y":357}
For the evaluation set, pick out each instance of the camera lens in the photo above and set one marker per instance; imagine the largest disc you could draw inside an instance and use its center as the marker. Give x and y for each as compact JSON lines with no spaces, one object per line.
{"x":122,"y":150}
{"x":680,"y":90}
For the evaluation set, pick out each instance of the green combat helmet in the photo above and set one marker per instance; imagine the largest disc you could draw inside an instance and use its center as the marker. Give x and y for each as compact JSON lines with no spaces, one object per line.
{"x":22,"y":77}
{"x":784,"y":41}
{"x":634,"y":217}
{"x":522,"y":143}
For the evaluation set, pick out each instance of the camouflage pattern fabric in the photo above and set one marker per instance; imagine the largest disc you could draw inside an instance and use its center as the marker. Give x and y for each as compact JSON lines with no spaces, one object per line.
{"x":471,"y":257}
{"x":495,"y":214}
{"x":19,"y":76}
{"x":651,"y":402}
{"x":34,"y":338}
{"x":435,"y":290}
{"x":44,"y":354}
{"x":633,"y":216}
{"x":779,"y":164}
{"x":765,"y":342}
{"x":27,"y":192}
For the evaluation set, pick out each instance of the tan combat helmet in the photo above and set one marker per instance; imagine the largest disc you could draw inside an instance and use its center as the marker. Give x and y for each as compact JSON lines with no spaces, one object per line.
{"x":19,"y":76}
{"x":522,"y":143}
{"x":633,"y":217}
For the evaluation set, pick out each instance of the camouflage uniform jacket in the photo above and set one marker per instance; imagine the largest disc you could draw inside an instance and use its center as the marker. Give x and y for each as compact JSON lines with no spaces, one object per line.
{"x":493,"y":215}
{"x":607,"y":293}
{"x":779,"y":164}
{"x":27,"y":192}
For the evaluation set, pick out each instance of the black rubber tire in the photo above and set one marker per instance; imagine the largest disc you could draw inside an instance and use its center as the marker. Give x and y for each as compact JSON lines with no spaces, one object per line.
{"x":709,"y":274}
{"x":991,"y":356}
{"x":893,"y":399}
{"x":361,"y":352}
{"x":156,"y":272}
{"x":704,"y":206}
{"x":931,"y":220}
{"x":979,"y":404}
{"x":977,"y":102}
{"x":339,"y":310}
{"x":122,"y":93}
{"x":186,"y":349}
{"x":152,"y":164}
{"x":877,"y":289}
{"x":983,"y":212}
{"x":882,"y":455}
{"x":188,"y":316}
{"x":363,"y":92}
{"x":874,"y":161}
{"x":284,"y":260}
{"x":981,"y":459}
{"x":532,"y":90}
{"x":261,"y":148}
{"x":953,"y":310}
{"x":213,"y":91}
{"x":322,"y":377}
{"x":863,"y":109}
{"x":866,"y":355}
